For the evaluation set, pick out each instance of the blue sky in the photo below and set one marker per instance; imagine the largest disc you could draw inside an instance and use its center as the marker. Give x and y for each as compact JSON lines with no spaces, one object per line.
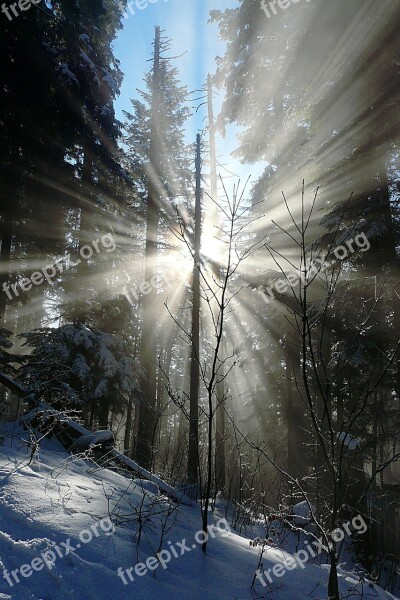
{"x":185,"y":23}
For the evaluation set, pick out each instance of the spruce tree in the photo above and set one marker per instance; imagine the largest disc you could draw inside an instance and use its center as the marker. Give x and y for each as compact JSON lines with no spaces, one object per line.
{"x":158,"y":157}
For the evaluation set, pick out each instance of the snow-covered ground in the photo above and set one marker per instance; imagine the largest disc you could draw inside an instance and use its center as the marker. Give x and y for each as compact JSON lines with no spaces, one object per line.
{"x":61,"y":505}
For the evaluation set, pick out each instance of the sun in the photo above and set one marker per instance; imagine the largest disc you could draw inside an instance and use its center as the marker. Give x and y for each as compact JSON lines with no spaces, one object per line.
{"x":211,"y":247}
{"x":179,"y":262}
{"x":179,"y":257}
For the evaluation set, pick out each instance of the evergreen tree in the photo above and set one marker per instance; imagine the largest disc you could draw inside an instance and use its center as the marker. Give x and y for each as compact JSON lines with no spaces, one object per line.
{"x":158,"y":156}
{"x":77,"y":365}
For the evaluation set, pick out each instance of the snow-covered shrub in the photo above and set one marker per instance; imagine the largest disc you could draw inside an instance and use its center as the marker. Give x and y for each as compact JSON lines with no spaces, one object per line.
{"x":79,"y":366}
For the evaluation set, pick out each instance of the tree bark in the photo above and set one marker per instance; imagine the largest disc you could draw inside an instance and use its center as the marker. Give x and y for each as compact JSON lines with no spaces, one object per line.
{"x":148,"y":346}
{"x":5,"y":255}
{"x":193,"y":459}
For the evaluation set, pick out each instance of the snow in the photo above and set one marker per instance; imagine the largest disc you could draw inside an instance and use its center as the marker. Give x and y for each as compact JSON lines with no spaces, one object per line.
{"x":109,"y":79}
{"x":92,"y":439}
{"x":57,"y":497}
{"x":49,"y":411}
{"x":68,"y":73}
{"x":167,"y":489}
{"x":348,"y":441}
{"x":80,"y":367}
{"x":13,"y":385}
{"x":148,"y":486}
{"x":301,"y":512}
{"x":86,"y":40}
{"x":89,"y":438}
{"x":81,"y":349}
{"x":108,"y":362}
{"x":80,"y":336}
{"x":90,"y":64}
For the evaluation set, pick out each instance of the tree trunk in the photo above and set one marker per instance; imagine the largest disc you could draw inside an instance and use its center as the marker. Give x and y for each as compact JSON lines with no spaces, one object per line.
{"x":220,"y":475}
{"x":128,"y":427}
{"x":5,"y":255}
{"x":333,"y":584}
{"x":193,"y":459}
{"x":148,"y":346}
{"x":103,"y":413}
{"x":220,"y":408}
{"x":294,"y":415}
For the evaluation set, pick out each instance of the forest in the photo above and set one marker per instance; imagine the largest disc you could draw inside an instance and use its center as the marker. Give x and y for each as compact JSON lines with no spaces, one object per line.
{"x":199,"y":282}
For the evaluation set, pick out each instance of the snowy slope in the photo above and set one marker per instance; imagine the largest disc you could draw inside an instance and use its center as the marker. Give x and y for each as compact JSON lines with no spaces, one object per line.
{"x":89,"y":439}
{"x":58,"y":497}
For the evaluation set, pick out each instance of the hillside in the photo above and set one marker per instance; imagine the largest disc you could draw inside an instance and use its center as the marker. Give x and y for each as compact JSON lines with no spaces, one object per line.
{"x":62,"y":504}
